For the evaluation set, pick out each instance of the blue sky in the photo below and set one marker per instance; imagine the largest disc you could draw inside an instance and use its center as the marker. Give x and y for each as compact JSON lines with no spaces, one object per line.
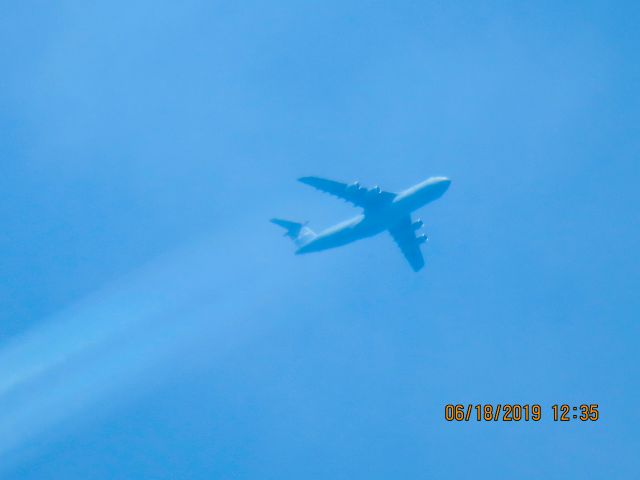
{"x":155,"y":325}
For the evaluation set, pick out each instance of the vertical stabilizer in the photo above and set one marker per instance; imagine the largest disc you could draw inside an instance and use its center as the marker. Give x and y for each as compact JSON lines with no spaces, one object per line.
{"x":298,"y":232}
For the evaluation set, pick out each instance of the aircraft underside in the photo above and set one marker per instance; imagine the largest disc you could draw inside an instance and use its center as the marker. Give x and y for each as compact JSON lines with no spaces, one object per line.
{"x":382,"y":211}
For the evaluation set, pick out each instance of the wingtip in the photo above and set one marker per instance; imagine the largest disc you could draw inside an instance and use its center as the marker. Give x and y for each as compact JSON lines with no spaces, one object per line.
{"x":417,"y":266}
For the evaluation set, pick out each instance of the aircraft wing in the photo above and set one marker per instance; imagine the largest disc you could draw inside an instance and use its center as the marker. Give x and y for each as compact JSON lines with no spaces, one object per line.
{"x":404,"y":235}
{"x":354,"y":193}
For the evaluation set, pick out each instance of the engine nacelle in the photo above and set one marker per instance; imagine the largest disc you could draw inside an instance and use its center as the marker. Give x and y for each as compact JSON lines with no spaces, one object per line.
{"x":376,"y":190}
{"x":417,"y":224}
{"x":421,"y":239}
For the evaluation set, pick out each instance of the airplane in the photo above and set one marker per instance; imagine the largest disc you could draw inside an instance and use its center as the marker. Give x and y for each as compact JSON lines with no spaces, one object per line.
{"x":381,"y":211}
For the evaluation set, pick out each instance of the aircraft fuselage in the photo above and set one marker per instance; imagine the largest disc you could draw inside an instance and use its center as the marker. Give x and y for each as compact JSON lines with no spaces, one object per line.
{"x":376,"y":220}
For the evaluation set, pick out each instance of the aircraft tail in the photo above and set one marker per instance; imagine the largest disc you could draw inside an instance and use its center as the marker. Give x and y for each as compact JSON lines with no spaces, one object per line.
{"x":298,"y":232}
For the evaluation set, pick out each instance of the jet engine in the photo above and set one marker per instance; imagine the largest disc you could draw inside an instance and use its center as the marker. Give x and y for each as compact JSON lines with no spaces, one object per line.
{"x":421,"y":239}
{"x":417,"y":224}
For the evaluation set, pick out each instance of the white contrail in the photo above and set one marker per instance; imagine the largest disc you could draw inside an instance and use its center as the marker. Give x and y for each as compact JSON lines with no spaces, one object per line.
{"x":106,"y":341}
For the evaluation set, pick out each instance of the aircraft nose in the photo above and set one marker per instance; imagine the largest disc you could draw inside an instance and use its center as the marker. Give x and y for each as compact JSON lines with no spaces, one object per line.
{"x":446,"y":182}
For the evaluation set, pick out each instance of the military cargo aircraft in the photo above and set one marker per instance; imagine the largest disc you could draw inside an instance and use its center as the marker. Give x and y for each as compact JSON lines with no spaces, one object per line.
{"x":381,"y":211}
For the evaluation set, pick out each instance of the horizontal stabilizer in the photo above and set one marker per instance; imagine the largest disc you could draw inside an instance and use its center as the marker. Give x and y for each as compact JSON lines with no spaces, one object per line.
{"x":298,"y":232}
{"x":293,"y":228}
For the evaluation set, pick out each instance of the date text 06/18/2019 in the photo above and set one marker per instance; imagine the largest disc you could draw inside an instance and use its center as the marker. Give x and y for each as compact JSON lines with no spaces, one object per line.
{"x":515,"y":412}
